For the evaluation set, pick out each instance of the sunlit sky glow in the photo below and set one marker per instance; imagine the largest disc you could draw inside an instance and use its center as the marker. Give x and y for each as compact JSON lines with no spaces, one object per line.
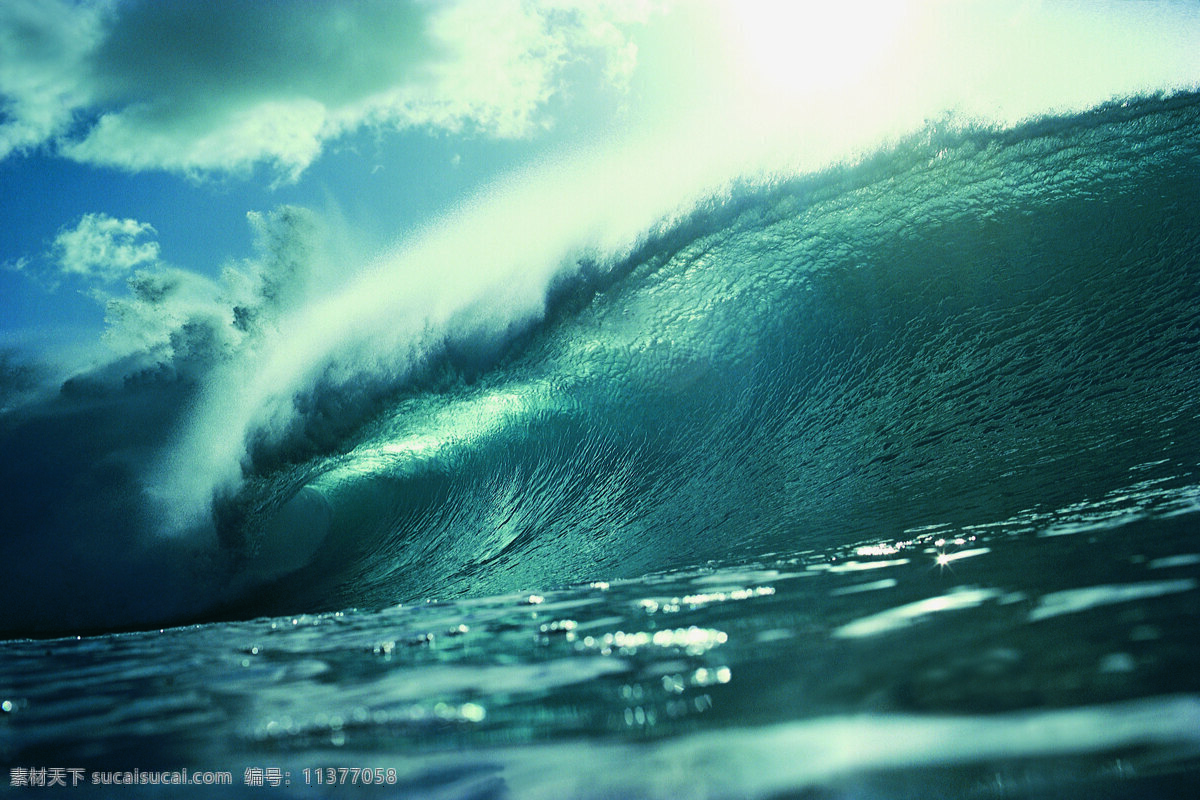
{"x":446,"y":149}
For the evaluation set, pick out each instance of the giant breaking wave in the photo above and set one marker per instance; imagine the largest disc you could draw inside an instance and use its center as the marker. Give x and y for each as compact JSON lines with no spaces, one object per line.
{"x":966,"y":324}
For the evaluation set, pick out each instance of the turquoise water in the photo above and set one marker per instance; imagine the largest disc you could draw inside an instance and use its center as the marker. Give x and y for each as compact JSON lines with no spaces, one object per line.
{"x":879,"y":482}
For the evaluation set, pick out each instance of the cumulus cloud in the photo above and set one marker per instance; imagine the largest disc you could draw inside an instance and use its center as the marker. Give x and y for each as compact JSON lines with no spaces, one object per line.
{"x":104,"y":248}
{"x":201,"y":88}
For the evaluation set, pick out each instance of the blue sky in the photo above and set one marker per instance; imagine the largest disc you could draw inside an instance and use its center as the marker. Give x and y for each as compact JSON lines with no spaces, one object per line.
{"x":144,"y":137}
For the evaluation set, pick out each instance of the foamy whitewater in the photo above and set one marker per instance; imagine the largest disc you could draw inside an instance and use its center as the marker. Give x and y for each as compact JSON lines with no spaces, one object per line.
{"x":869,"y":476}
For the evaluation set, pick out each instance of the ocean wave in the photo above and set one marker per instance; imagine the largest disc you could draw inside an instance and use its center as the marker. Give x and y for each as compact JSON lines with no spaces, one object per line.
{"x":968,"y":322}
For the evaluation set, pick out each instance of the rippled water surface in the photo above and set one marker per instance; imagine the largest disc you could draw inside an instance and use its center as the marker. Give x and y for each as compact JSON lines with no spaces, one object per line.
{"x":1051,"y":652}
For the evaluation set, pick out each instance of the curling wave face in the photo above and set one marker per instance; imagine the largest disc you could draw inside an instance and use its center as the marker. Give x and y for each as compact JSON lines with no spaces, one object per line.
{"x":962,"y":326}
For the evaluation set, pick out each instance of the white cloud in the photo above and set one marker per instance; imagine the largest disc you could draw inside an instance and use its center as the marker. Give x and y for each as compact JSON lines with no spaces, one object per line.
{"x":104,"y":248}
{"x":200,"y":88}
{"x":43,"y":75}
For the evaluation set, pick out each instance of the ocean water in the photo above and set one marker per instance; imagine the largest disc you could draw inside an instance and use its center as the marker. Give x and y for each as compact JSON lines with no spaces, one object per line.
{"x":875,"y":482}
